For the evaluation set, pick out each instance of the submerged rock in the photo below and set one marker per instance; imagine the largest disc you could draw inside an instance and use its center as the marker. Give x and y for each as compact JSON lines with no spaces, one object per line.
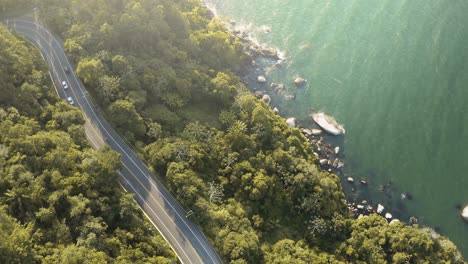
{"x":406,"y":196}
{"x":299,"y":81}
{"x":280,"y":87}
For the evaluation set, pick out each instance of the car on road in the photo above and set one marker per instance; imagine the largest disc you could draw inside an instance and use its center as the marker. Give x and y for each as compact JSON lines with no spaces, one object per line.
{"x":70,"y":101}
{"x":66,"y":69}
{"x":65,"y":85}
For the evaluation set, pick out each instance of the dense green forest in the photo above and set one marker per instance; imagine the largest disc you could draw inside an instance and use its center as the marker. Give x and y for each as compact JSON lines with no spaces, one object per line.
{"x":162,"y":71}
{"x":60,"y":200}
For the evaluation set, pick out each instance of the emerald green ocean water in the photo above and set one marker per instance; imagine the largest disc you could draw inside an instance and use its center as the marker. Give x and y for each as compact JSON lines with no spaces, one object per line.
{"x":395,"y":73}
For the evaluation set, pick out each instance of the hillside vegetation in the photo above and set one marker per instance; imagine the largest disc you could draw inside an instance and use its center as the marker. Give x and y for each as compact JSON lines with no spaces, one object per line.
{"x":163,"y":73}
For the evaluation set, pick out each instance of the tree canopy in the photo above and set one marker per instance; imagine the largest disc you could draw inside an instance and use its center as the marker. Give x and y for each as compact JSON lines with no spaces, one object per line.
{"x":60,"y":200}
{"x":162,"y":71}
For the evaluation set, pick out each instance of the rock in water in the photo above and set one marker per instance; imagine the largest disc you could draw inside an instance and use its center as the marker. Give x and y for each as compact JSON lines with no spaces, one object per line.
{"x":406,"y":196}
{"x":316,"y":132}
{"x":380,"y":208}
{"x":281,"y":87}
{"x":291,"y":122}
{"x":266,"y":98}
{"x":299,"y":81}
{"x":269,"y":53}
{"x":413,"y":220}
{"x":335,"y":163}
{"x":328,"y":124}
{"x":261,"y":79}
{"x":306,"y":132}
{"x":464,"y":213}
{"x":388,"y":215}
{"x":340,"y":164}
{"x":337,"y":150}
{"x":259,"y":94}
{"x":350,"y":180}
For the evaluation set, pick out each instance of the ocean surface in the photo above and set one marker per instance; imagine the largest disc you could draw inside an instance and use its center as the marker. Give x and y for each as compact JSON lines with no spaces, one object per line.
{"x":395,"y":73}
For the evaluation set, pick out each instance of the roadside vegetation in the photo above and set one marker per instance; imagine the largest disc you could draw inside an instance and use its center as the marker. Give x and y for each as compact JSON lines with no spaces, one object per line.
{"x":60,"y":200}
{"x":163,"y":73}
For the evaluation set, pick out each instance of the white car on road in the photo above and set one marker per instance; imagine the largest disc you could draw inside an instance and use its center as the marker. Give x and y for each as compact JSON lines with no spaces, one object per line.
{"x":70,"y":100}
{"x":65,"y":85}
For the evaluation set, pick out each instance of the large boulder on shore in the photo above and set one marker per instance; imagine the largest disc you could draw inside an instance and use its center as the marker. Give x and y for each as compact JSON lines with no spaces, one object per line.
{"x":380,"y":208}
{"x":291,"y":122}
{"x":464,"y":213}
{"x":269,"y":53}
{"x":299,"y":81}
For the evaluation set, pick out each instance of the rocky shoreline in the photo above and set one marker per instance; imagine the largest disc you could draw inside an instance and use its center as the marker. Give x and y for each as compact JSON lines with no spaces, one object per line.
{"x":253,"y":73}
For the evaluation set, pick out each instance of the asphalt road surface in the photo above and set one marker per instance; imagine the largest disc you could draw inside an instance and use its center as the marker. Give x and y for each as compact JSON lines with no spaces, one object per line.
{"x":185,"y":238}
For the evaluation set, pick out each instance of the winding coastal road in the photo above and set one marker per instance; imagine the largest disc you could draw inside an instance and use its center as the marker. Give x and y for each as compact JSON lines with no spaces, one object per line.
{"x":184,"y":237}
